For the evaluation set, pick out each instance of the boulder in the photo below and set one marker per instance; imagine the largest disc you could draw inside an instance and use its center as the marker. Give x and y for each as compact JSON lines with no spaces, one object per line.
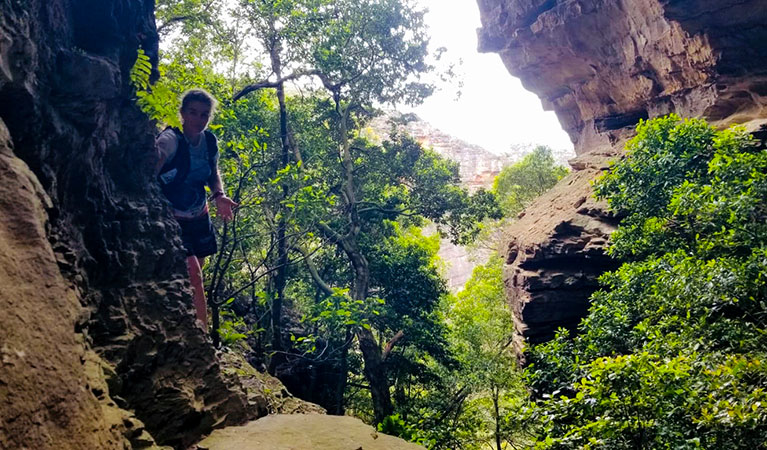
{"x":304,"y":431}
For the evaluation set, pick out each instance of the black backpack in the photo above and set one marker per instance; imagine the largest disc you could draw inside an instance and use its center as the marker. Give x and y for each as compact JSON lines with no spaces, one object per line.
{"x":174,"y":172}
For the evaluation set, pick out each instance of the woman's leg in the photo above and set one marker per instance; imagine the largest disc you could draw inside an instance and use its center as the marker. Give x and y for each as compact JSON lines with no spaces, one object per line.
{"x":195,"y":276}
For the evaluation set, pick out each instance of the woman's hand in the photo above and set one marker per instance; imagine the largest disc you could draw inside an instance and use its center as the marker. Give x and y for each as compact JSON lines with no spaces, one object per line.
{"x":225,"y":206}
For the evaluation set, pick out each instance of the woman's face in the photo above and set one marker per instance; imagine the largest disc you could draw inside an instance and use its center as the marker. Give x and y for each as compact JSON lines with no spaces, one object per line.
{"x":195,"y":117}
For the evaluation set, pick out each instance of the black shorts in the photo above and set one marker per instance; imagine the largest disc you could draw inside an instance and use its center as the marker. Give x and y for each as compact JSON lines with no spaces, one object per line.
{"x":198,"y":236}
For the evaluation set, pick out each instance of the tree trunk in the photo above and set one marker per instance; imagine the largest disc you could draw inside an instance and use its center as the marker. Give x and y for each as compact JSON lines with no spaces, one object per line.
{"x":374,"y":370}
{"x":215,"y":325}
{"x":496,"y":394}
{"x":282,"y":249}
{"x":375,"y":373}
{"x":337,"y":408}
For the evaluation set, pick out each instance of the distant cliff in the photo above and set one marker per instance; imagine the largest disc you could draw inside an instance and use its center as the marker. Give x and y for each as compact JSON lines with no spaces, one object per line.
{"x":478,"y":166}
{"x":478,"y":169}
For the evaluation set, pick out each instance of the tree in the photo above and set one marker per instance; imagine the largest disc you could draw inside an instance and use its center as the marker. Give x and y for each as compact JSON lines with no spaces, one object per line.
{"x":482,"y":332}
{"x":321,"y":227}
{"x":192,"y":16}
{"x":517,"y":185}
{"x":363,"y":53}
{"x":276,"y":23}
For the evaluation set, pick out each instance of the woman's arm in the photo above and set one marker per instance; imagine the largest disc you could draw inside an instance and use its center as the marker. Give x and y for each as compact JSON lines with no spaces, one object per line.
{"x":165,"y":145}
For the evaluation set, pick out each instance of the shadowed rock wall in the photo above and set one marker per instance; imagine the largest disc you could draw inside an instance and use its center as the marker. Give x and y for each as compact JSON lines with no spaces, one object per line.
{"x":90,"y":257}
{"x":602,"y":65}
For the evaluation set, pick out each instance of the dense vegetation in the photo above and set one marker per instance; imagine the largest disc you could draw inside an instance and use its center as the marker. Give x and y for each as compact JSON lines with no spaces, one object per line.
{"x":324,"y":277}
{"x":326,"y":280}
{"x":672,"y":352}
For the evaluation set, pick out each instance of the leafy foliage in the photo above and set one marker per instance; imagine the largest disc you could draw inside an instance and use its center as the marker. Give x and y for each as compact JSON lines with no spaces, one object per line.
{"x":517,"y":185}
{"x":141,"y":71}
{"x":514,"y":188}
{"x":671,"y":354}
{"x":360,"y":285}
{"x":233,"y":329}
{"x":482,"y":332}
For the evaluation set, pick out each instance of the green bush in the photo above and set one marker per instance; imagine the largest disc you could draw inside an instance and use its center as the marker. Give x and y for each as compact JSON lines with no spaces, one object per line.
{"x":672,"y":352}
{"x":233,"y":329}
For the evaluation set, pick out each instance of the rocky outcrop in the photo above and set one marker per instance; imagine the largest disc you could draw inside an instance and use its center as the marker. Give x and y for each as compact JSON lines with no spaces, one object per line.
{"x":91,"y":272}
{"x":42,"y":400}
{"x":555,"y":255}
{"x":602,"y":65}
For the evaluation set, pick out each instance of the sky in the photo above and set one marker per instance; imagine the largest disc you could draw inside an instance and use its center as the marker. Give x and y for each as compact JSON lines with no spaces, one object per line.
{"x":494,"y":110}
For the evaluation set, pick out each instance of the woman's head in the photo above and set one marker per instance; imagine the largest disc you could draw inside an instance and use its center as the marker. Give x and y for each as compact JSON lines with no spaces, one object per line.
{"x":197,"y":108}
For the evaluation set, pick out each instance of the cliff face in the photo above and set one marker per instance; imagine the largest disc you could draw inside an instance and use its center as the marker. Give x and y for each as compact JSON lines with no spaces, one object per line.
{"x":97,"y":317}
{"x":602,"y":65}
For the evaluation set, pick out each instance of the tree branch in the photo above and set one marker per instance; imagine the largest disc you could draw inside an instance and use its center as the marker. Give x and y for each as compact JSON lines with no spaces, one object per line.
{"x":266,"y":84}
{"x":173,"y":20}
{"x":331,"y":233}
{"x":392,"y":342}
{"x":399,"y":212}
{"x":324,"y":287}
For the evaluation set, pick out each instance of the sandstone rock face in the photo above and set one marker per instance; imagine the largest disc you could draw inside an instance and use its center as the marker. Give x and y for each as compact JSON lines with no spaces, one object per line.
{"x":602,"y":65}
{"x":42,"y":397}
{"x":555,"y":254}
{"x":89,"y":253}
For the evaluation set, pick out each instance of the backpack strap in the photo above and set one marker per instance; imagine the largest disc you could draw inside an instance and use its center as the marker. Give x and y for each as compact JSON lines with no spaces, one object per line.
{"x":175,"y":170}
{"x":211,"y":144}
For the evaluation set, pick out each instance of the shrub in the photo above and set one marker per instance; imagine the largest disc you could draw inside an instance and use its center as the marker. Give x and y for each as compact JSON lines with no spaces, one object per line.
{"x":671,"y":353}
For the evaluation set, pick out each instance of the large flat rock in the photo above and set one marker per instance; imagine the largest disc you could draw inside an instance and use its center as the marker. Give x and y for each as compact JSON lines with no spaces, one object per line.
{"x":303,"y":432}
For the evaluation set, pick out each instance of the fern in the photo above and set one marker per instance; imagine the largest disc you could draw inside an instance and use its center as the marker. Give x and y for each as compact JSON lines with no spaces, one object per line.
{"x":141,"y":71}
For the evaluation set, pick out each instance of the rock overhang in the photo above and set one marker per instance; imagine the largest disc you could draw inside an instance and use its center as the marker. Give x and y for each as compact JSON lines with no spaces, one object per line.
{"x":602,"y":65}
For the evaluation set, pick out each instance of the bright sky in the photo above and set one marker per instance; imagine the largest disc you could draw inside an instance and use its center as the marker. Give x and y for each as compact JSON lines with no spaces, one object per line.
{"x":494,"y":110}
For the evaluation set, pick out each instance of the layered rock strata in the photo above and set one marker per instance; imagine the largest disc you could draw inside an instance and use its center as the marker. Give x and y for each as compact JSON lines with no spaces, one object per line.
{"x":602,"y":65}
{"x":89,"y":254}
{"x":555,"y":255}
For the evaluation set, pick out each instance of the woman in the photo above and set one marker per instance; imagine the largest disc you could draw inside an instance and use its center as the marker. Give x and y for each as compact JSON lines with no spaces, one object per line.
{"x":187,"y":162}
